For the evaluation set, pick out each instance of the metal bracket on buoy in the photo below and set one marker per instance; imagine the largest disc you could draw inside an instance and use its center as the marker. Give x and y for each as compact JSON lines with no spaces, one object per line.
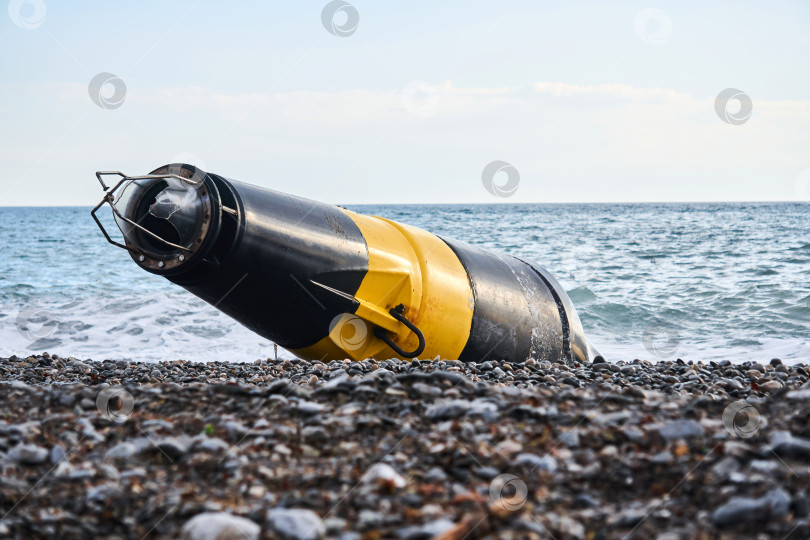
{"x":376,"y":315}
{"x":397,"y":313}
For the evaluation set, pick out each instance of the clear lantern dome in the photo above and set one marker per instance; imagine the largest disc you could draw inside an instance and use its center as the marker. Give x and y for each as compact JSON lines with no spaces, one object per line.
{"x":171,"y":214}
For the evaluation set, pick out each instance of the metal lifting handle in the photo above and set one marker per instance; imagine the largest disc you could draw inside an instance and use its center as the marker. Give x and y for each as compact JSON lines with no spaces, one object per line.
{"x":397,"y":313}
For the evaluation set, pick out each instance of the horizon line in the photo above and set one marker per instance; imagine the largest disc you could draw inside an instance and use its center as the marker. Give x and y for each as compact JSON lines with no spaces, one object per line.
{"x":503,"y":203}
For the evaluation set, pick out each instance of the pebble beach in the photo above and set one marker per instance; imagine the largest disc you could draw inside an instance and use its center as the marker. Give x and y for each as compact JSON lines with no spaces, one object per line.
{"x":585,"y":225}
{"x":413,"y":450}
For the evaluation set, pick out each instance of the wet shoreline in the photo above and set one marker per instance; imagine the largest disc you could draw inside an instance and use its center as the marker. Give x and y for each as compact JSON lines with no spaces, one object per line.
{"x":393,"y":449}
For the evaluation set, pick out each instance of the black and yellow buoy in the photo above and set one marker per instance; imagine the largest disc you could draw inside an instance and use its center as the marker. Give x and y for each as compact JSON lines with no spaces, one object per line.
{"x":328,"y":283}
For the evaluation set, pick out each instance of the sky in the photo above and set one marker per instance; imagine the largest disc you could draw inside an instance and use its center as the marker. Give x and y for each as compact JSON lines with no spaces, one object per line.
{"x":410,"y":101}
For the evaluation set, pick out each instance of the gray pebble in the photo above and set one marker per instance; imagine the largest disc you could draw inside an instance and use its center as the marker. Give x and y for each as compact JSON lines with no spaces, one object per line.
{"x":220,"y":526}
{"x":213,"y":445}
{"x":28,"y":454}
{"x":785,"y":444}
{"x":448,"y":409}
{"x":799,"y":395}
{"x":57,"y":454}
{"x":173,"y":447}
{"x":123,"y":450}
{"x":435,"y":475}
{"x":681,"y":429}
{"x":368,"y":519}
{"x":740,"y":510}
{"x":570,"y":438}
{"x":432,"y":529}
{"x":545,"y":463}
{"x":310,"y":408}
{"x":627,"y":518}
{"x":296,"y":524}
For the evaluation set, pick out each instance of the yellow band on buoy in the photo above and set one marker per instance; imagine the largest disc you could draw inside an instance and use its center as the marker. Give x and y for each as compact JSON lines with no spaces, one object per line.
{"x":408,"y":266}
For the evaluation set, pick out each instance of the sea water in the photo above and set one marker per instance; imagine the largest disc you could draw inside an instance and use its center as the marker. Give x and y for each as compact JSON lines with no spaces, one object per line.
{"x":700,"y":281}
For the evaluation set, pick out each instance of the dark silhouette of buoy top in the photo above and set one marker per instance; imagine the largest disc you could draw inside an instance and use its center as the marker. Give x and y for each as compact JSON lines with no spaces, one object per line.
{"x":328,"y":283}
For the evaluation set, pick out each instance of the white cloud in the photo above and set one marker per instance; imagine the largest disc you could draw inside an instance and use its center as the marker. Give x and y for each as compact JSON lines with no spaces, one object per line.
{"x":623,"y":91}
{"x":569,"y":142}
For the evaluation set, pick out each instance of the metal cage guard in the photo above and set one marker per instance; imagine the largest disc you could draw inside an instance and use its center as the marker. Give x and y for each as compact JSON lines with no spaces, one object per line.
{"x":110,"y":199}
